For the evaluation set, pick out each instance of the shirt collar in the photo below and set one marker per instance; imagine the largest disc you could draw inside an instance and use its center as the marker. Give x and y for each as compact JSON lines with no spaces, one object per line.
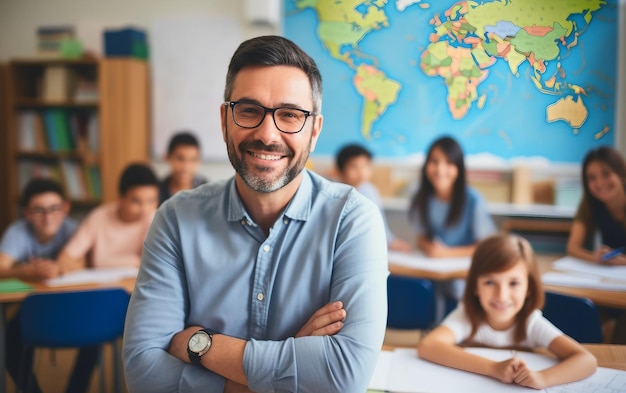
{"x":299,"y":208}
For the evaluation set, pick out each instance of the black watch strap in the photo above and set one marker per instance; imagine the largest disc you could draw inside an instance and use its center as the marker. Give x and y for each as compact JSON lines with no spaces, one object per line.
{"x":194,"y":357}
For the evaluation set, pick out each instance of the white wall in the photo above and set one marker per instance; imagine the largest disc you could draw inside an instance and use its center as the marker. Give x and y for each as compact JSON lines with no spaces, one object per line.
{"x":19,"y":19}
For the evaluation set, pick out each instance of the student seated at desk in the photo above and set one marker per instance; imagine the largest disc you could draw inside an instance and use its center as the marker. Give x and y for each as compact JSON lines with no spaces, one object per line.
{"x":501,"y":309}
{"x":603,"y":207}
{"x":113,"y":233}
{"x":449,"y":216}
{"x":28,"y":251}
{"x":31,"y":244}
{"x":183,"y":156}
{"x":354,"y":165}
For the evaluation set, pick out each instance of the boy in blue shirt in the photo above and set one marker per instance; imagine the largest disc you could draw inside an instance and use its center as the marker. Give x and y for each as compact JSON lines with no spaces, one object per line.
{"x":28,"y":251}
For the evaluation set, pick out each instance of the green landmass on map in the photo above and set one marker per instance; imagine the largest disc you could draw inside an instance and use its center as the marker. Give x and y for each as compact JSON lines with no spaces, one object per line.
{"x":538,"y":27}
{"x":340,"y":29}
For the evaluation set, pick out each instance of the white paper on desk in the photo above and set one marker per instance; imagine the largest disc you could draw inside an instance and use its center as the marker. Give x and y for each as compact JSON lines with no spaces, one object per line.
{"x":381,"y":372}
{"x":579,"y":281}
{"x":93,"y":276}
{"x":420,"y":261}
{"x":572,"y":264}
{"x":410,"y":374}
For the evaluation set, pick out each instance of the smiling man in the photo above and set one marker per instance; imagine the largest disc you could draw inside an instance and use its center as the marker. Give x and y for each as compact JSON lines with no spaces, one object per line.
{"x":273,"y":280}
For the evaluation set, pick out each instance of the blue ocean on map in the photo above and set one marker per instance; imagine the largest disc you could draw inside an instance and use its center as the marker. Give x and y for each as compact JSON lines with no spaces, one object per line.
{"x":512,"y":123}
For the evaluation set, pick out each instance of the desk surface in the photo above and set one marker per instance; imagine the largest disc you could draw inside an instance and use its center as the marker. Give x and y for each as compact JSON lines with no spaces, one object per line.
{"x":600,"y":297}
{"x":38,"y":287}
{"x":399,"y":270}
{"x":531,"y":210}
{"x":608,"y":355}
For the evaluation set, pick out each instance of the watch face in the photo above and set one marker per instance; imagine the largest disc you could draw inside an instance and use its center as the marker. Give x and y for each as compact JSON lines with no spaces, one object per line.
{"x":198,"y":342}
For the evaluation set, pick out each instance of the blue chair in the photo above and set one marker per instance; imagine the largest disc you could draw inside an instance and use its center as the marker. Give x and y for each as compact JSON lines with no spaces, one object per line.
{"x":76,"y":319}
{"x":410,"y":302}
{"x":577,"y":317}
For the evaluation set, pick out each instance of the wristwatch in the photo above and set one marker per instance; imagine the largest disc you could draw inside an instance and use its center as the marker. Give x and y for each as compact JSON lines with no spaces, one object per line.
{"x":199,"y":344}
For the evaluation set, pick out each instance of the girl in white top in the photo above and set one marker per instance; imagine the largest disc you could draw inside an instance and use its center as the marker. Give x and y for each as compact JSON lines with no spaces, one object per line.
{"x":501,"y":308}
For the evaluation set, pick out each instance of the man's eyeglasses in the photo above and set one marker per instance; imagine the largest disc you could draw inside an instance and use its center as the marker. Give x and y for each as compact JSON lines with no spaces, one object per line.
{"x":42,"y":211}
{"x":287,"y":120}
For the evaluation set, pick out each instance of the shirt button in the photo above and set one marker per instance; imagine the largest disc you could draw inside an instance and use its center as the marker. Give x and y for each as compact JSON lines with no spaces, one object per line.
{"x":260,"y":296}
{"x":243,"y":222}
{"x":286,"y":221}
{"x":266,"y":248}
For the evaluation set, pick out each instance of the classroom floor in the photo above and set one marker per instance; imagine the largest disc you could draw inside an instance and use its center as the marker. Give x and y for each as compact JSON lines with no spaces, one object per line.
{"x":53,"y":369}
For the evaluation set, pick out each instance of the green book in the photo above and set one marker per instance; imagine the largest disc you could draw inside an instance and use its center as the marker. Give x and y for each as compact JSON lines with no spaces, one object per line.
{"x":14,"y":285}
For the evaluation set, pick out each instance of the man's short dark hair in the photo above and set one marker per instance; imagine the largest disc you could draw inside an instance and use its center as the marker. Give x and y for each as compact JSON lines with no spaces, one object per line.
{"x":349,"y":152}
{"x":137,"y":175}
{"x":272,"y":50}
{"x":183,"y":138}
{"x":40,"y":186}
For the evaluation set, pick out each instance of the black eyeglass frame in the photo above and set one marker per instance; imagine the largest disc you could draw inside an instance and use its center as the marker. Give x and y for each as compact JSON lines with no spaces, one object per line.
{"x":233,"y":104}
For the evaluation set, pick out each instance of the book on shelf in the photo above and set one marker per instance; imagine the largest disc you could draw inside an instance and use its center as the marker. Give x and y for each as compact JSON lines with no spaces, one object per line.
{"x":92,"y":176}
{"x":50,"y":39}
{"x":74,"y":180}
{"x":85,"y":91}
{"x":57,"y":83}
{"x":93,"y":139}
{"x":30,"y":132}
{"x":58,"y":130}
{"x":31,"y":169}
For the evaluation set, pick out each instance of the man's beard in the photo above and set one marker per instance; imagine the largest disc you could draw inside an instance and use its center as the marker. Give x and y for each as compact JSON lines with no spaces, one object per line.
{"x":259,"y":183}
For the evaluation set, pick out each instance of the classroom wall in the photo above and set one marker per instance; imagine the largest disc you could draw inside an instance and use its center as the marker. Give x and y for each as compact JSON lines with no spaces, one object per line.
{"x":19,"y":20}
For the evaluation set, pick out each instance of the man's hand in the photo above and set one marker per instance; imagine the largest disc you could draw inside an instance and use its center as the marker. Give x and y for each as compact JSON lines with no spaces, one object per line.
{"x":178,"y":344}
{"x":326,"y":321}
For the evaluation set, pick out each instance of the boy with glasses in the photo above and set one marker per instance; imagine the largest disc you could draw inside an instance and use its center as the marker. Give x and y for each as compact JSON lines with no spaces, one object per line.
{"x":28,"y":251}
{"x":31,"y":244}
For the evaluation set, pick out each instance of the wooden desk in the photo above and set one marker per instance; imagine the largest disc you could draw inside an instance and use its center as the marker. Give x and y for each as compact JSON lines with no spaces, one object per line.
{"x":600,"y":297}
{"x":614,"y":299}
{"x":608,"y":355}
{"x":38,"y":287}
{"x":437,"y":277}
{"x":398,"y":270}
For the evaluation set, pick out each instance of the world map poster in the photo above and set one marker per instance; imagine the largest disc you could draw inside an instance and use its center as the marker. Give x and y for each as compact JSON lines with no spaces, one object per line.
{"x":508,"y":78}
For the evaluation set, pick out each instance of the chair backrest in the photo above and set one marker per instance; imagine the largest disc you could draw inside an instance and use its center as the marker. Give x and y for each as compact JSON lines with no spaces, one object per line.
{"x":73,"y":319}
{"x":576,"y":316}
{"x":410,"y":302}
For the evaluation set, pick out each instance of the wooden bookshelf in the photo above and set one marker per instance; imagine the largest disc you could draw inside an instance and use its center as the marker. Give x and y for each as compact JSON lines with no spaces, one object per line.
{"x":4,"y":159}
{"x":80,"y":121}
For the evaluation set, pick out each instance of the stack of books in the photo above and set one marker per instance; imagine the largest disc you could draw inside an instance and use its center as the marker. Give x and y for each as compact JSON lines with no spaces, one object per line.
{"x":49,"y":39}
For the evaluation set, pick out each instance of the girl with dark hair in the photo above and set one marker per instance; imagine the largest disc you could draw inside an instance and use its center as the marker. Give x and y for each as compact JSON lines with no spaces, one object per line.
{"x":449,"y":216}
{"x":602,"y":209}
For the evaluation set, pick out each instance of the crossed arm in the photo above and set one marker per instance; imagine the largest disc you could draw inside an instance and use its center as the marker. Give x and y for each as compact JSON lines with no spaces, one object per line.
{"x":575,"y":362}
{"x":226,"y":354}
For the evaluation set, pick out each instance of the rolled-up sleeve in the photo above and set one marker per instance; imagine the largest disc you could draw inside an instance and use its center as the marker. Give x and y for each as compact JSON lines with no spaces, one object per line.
{"x":345,"y":361}
{"x":156,"y":312}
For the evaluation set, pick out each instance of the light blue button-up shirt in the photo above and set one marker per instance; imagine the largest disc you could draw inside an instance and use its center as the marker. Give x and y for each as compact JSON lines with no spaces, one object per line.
{"x":205,"y":262}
